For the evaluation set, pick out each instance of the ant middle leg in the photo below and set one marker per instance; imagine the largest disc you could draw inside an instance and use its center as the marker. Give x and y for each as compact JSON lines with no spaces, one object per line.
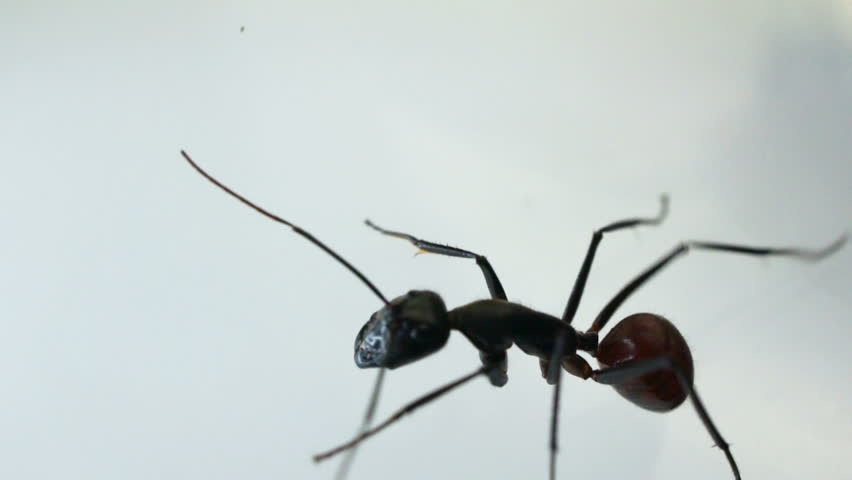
{"x":551,"y":369}
{"x":597,"y":236}
{"x":494,"y":285}
{"x":636,"y":368}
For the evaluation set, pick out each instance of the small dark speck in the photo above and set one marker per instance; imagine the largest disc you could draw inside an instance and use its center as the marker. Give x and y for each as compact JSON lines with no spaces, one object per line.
{"x":242,"y":29}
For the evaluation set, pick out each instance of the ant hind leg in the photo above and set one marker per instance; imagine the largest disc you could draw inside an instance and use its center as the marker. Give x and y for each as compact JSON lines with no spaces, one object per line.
{"x":636,"y":368}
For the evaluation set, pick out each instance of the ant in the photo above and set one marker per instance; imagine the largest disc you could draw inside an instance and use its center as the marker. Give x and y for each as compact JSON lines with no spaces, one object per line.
{"x":644,"y":356}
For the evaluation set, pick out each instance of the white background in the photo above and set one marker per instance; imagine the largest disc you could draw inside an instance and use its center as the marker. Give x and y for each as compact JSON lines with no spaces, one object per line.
{"x":152,"y":327}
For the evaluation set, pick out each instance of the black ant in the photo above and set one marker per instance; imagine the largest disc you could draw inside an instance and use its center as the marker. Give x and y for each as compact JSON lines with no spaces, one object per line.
{"x":644,"y":357}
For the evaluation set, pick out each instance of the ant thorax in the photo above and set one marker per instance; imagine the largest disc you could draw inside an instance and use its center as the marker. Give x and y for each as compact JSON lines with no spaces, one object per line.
{"x":494,"y":325}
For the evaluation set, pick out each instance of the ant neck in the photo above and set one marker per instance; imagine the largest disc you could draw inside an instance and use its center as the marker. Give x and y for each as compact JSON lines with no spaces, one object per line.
{"x":587,"y":342}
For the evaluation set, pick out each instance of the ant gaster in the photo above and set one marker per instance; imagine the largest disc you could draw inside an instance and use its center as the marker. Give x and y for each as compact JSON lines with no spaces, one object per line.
{"x":644,"y":357}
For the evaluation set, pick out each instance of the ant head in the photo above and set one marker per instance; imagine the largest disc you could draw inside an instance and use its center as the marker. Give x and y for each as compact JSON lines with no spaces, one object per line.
{"x":406,"y":329}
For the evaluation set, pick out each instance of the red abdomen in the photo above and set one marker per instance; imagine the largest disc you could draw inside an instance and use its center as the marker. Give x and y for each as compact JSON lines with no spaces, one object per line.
{"x":645,"y":336}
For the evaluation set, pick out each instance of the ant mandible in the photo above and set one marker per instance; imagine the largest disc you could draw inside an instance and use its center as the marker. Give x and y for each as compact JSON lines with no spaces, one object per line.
{"x":644,"y":357}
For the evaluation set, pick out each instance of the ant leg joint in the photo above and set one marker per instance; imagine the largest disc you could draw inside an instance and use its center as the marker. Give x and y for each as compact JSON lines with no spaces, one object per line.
{"x":575,"y":365}
{"x":497,"y":365}
{"x":578,"y":366}
{"x":587,"y":342}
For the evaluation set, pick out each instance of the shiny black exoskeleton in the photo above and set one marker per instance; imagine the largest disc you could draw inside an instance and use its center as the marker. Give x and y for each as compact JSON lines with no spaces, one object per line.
{"x":644,"y":356}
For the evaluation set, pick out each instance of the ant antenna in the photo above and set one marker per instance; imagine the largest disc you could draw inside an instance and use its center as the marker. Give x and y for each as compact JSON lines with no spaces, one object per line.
{"x":295,"y":228}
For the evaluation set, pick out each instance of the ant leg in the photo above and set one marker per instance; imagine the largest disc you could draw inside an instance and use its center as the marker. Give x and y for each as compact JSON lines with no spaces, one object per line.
{"x":400,"y":413}
{"x":597,"y":236}
{"x":802,"y":253}
{"x":491,"y":279}
{"x":495,"y":362}
{"x":636,"y":368}
{"x":343,"y":468}
{"x":554,"y":375}
{"x":575,"y":365}
{"x":554,"y":372}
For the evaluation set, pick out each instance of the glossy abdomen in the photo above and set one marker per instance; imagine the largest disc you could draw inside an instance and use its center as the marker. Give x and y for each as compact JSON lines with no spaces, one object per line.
{"x":645,"y":336}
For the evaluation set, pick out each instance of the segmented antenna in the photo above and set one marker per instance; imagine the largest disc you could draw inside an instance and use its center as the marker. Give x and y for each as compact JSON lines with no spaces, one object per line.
{"x":295,"y":228}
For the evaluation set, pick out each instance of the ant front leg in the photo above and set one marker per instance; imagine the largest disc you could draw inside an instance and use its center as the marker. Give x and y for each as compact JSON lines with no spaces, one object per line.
{"x":494,"y":285}
{"x":631,"y":369}
{"x":495,"y":360}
